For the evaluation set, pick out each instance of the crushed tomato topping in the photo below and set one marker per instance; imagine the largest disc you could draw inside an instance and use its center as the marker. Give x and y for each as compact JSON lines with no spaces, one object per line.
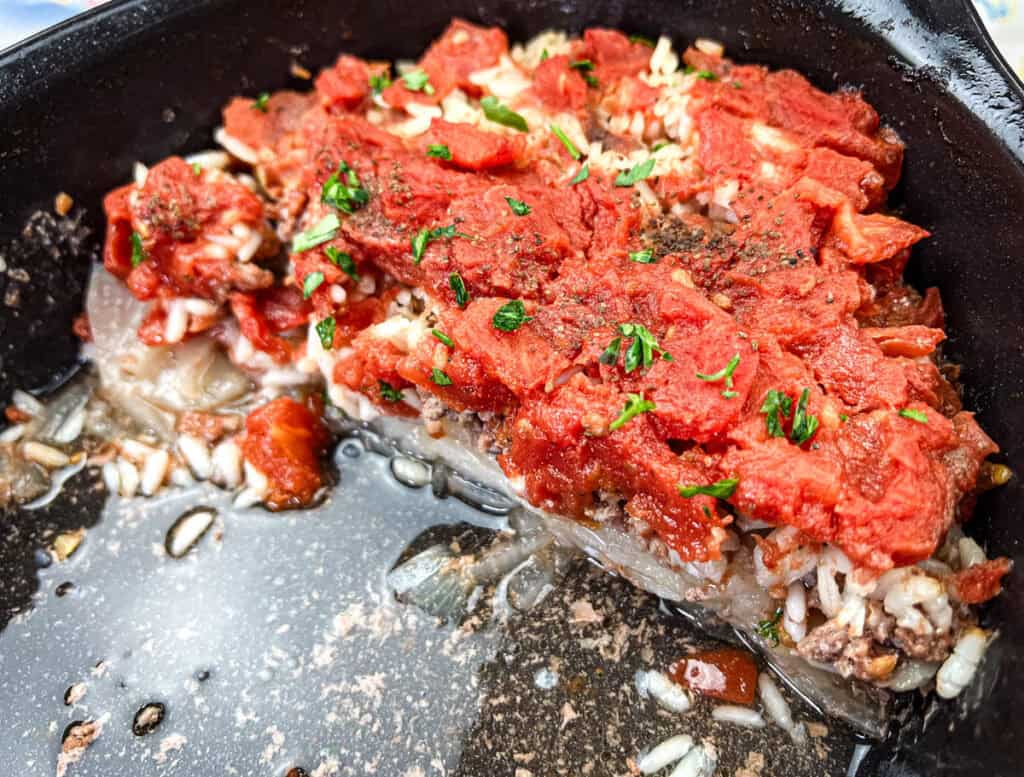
{"x":715,"y":304}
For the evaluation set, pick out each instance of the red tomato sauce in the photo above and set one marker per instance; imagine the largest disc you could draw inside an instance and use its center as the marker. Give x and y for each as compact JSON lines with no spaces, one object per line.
{"x":726,"y":674}
{"x":792,"y":277}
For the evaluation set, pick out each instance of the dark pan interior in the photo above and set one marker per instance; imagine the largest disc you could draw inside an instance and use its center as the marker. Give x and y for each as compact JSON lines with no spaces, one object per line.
{"x":140,"y":80}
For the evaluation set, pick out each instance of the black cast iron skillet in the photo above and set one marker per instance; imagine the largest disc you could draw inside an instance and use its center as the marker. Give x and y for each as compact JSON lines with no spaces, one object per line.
{"x":147,"y":78}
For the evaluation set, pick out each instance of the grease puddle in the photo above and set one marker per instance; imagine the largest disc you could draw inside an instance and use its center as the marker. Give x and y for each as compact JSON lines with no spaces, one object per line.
{"x":272,"y":642}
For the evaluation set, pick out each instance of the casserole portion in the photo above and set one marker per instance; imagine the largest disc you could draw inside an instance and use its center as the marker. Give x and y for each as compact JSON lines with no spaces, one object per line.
{"x":661,"y":290}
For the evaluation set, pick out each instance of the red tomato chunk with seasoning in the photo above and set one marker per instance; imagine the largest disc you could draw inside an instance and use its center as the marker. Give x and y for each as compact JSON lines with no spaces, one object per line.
{"x":668,"y":311}
{"x":285,"y":440}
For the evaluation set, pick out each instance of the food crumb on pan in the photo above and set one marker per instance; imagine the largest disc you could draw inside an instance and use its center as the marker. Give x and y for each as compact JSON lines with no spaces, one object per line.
{"x":63,"y":204}
{"x":77,"y":738}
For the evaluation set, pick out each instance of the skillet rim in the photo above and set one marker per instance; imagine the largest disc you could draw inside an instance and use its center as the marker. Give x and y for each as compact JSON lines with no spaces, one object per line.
{"x":103,"y":33}
{"x":153,"y":13}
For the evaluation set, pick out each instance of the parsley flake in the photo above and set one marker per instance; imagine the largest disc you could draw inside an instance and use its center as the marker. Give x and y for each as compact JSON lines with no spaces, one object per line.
{"x":442,"y":337}
{"x":324,"y":230}
{"x":419,"y":244}
{"x":343,"y":190}
{"x":581,"y":176}
{"x":501,"y":114}
{"x":769,"y":629}
{"x":914,"y":415}
{"x":325,"y":331}
{"x":585,"y":66}
{"x":389,"y":393}
{"x":311,"y":284}
{"x":439,"y":151}
{"x":440,"y":377}
{"x":720,"y":489}
{"x":418,"y":81}
{"x":705,"y":75}
{"x":641,"y":351}
{"x":510,"y":316}
{"x":646,"y":256}
{"x":197,"y":169}
{"x":138,"y":252}
{"x":379,"y":82}
{"x":635,"y":405}
{"x":611,"y":353}
{"x":804,"y":424}
{"x":260,"y":103}
{"x":425,"y":237}
{"x":776,"y":406}
{"x":342,"y":260}
{"x":643,"y":40}
{"x":724,"y":374}
{"x":635,"y":173}
{"x":569,"y":145}
{"x":459,"y":287}
{"x":519,"y":207}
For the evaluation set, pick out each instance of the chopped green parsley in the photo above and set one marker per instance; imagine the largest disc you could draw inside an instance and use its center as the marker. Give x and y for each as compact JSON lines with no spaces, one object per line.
{"x":324,"y":230}
{"x":418,"y":81}
{"x":325,"y":331}
{"x":518,"y":207}
{"x":138,"y":252}
{"x":440,"y":377}
{"x":379,"y":82}
{"x":439,"y":151}
{"x":581,"y":176}
{"x":775,"y":407}
{"x":501,"y":114}
{"x":437,"y":333}
{"x":311,"y":284}
{"x":636,"y":173}
{"x":342,"y":260}
{"x":804,"y":424}
{"x":569,"y":145}
{"x":343,"y":189}
{"x":459,"y":287}
{"x":721,"y":489}
{"x":510,"y":316}
{"x":769,"y":629}
{"x":425,"y":236}
{"x":389,"y":392}
{"x":706,"y":75}
{"x":641,"y":351}
{"x":635,"y":405}
{"x":914,"y":415}
{"x":724,"y":374}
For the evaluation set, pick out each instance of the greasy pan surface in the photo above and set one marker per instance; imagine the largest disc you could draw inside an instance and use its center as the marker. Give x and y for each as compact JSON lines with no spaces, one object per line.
{"x":140,"y":80}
